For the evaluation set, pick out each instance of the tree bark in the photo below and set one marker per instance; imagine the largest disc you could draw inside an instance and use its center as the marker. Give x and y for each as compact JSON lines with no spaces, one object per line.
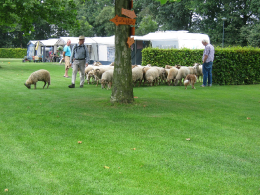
{"x":122,"y":90}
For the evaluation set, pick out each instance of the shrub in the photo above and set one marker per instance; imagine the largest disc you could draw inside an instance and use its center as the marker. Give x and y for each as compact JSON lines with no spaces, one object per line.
{"x":234,"y":65}
{"x":12,"y":53}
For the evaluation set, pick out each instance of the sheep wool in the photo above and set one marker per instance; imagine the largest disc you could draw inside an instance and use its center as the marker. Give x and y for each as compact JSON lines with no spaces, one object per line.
{"x":152,"y":76}
{"x":137,"y":75}
{"x":182,"y":73}
{"x":99,"y":71}
{"x":172,"y":75}
{"x":107,"y":78}
{"x":39,"y":75}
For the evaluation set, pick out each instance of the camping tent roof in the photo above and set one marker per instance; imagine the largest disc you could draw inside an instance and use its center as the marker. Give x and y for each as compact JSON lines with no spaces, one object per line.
{"x":49,"y":42}
{"x":88,"y":40}
{"x":104,"y":40}
{"x":171,"y":35}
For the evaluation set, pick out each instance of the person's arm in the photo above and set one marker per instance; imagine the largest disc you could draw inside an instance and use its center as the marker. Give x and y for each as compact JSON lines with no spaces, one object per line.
{"x":205,"y":58}
{"x":72,"y":55}
{"x":87,"y":56}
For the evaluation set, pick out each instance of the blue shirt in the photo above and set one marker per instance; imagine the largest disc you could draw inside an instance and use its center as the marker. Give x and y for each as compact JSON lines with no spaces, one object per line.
{"x":79,"y":52}
{"x":209,"y":51}
{"x":67,"y":51}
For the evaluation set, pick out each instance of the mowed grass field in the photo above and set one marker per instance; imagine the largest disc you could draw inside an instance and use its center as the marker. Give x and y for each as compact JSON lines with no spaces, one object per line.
{"x":62,"y":141}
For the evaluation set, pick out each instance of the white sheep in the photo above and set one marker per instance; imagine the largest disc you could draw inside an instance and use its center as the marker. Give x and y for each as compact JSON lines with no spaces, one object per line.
{"x":90,"y":73}
{"x":172,"y":73}
{"x":145,"y":68}
{"x":162,"y":74}
{"x":97,"y":64}
{"x":199,"y":73}
{"x":152,"y":76}
{"x":99,"y":71}
{"x":182,"y":73}
{"x":193,"y":70}
{"x":87,"y":70}
{"x":168,"y":67}
{"x":107,"y":78}
{"x":39,"y":75}
{"x":137,"y":75}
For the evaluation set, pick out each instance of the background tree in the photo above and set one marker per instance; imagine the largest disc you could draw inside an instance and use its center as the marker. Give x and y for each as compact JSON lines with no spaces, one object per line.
{"x":26,"y":12}
{"x":122,"y":90}
{"x":146,"y":26}
{"x":103,"y":26}
{"x":84,"y":28}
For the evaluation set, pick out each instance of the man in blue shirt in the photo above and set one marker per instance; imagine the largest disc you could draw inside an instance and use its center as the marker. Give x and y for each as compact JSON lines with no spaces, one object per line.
{"x":66,"y":57}
{"x":80,"y":56}
{"x":207,"y":59}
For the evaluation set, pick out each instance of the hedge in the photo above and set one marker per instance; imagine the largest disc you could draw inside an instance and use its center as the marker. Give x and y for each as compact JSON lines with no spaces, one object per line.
{"x":231,"y":66}
{"x":12,"y":53}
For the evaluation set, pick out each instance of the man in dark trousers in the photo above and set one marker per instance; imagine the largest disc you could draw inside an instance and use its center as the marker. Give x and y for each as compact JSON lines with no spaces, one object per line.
{"x":207,"y":59}
{"x":80,"y":56}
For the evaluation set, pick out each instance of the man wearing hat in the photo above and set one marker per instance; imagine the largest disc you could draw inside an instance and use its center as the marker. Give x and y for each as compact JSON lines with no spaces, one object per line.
{"x":80,"y":56}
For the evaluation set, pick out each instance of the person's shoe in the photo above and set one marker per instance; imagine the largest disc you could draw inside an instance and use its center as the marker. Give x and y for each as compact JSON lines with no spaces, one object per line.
{"x":72,"y":86}
{"x":81,"y":86}
{"x":210,"y":85}
{"x":202,"y":85}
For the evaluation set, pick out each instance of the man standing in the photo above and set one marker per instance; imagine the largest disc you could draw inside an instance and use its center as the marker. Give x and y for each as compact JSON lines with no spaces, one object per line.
{"x":207,"y":58}
{"x":66,"y":57}
{"x":81,"y":57}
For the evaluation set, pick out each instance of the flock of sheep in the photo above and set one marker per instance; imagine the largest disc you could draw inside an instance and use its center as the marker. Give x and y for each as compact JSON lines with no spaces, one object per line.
{"x":150,"y":75}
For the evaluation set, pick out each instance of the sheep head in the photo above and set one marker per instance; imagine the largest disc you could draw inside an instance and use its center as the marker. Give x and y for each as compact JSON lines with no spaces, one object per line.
{"x":27,"y":85}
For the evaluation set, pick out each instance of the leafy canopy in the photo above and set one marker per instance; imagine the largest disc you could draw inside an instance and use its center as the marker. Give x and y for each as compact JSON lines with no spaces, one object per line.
{"x":26,"y":12}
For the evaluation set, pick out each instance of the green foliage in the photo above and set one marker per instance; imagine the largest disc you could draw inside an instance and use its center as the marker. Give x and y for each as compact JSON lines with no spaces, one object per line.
{"x":162,"y":57}
{"x":27,"y":12}
{"x":236,"y":66}
{"x":104,"y":27}
{"x":254,"y":36}
{"x":146,"y":26}
{"x":60,"y":48}
{"x":232,"y":66}
{"x":12,"y":53}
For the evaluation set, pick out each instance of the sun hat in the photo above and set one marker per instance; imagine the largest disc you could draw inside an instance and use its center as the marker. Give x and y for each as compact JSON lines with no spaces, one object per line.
{"x":81,"y":37}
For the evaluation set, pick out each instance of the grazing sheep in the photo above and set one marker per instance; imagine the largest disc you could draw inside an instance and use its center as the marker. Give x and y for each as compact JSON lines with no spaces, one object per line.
{"x":199,"y":73}
{"x":87,"y":70}
{"x":145,"y":68}
{"x":39,"y":75}
{"x":152,"y":76}
{"x":99,"y":71}
{"x":97,"y":64}
{"x":182,"y":73}
{"x":178,"y":66}
{"x":168,"y":67}
{"x":133,"y":66}
{"x":173,"y":72}
{"x":137,"y":75}
{"x":193,"y":70}
{"x":107,"y":78}
{"x":162,"y":74}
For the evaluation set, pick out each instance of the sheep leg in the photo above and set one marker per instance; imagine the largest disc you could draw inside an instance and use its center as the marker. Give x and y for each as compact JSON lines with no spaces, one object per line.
{"x":34,"y":85}
{"x":44,"y":84}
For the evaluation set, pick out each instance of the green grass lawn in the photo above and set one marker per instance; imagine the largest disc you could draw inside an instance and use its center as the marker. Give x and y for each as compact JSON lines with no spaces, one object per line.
{"x":138,"y":149}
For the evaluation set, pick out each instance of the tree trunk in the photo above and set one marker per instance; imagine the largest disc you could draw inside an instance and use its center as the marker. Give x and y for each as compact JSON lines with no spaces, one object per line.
{"x":122,"y":90}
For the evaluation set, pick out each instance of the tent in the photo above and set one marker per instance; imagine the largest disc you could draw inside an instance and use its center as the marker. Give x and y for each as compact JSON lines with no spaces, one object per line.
{"x":174,"y":39}
{"x":166,"y":40}
{"x":100,"y":49}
